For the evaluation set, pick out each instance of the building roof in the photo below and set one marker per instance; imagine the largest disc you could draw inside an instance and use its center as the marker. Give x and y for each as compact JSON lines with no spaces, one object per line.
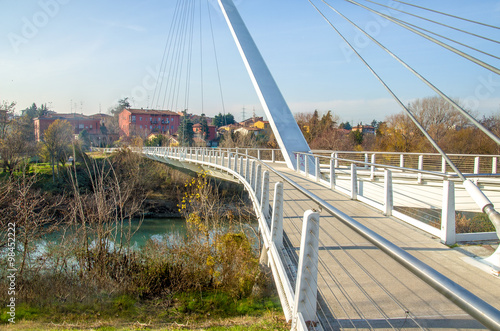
{"x":151,"y":112}
{"x":73,"y":116}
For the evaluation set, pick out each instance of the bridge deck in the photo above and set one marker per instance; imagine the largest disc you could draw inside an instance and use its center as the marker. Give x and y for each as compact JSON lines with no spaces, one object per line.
{"x":361,"y":287}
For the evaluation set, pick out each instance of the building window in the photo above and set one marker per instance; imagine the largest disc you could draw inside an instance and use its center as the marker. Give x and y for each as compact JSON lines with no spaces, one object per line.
{"x":151,"y":127}
{"x":133,"y":118}
{"x":140,"y":126}
{"x":91,"y":126}
{"x":140,"y":118}
{"x":80,"y":126}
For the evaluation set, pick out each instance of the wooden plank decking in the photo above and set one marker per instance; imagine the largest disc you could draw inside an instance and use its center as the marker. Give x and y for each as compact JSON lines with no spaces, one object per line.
{"x":361,"y":287}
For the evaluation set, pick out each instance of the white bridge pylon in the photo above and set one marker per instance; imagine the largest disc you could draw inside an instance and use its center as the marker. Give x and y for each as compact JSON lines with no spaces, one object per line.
{"x":283,"y":124}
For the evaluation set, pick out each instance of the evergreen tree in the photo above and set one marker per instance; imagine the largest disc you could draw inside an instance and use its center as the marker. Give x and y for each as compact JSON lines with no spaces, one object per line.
{"x":204,"y":126}
{"x":185,"y":132}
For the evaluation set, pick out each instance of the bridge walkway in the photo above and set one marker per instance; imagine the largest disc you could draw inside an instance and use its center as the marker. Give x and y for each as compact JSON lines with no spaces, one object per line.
{"x":360,"y":287}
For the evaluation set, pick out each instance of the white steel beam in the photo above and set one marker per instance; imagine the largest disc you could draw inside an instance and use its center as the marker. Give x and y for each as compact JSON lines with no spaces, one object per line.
{"x":283,"y":124}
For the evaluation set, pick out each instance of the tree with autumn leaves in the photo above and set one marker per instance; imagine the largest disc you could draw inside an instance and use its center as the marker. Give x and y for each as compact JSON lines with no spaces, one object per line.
{"x":452,"y":132}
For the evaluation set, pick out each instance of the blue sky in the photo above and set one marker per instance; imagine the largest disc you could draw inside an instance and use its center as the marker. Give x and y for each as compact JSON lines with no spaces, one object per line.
{"x":85,"y":55}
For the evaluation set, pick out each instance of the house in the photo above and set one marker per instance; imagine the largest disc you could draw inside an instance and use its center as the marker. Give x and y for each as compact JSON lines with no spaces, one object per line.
{"x":198,"y":132}
{"x":365,"y":129}
{"x":79,"y":122}
{"x":251,"y":121}
{"x":142,"y":122}
{"x":264,"y":125}
{"x":245,"y":130}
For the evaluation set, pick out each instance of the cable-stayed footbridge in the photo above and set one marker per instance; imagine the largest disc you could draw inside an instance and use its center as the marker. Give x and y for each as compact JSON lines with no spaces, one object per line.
{"x":359,"y":240}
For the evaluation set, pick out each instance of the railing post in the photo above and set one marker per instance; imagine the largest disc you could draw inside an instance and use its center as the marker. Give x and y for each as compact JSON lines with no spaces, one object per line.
{"x":317,"y":171}
{"x":354,"y":182}
{"x":252,"y":175}
{"x":306,"y":166}
{"x":297,"y":155}
{"x":235,"y":163}
{"x":448,"y":230}
{"x":388,"y":193}
{"x":264,"y":202}
{"x":229,"y":158}
{"x":258,"y":154}
{"x":247,"y":170}
{"x":494,"y":165}
{"x":258,"y":182}
{"x":277,"y":218}
{"x":420,"y":167}
{"x":372,"y":168}
{"x":332,"y":173}
{"x":476,"y":165}
{"x":443,"y":165}
{"x":336,"y":157}
{"x":402,"y":160}
{"x":306,"y":289}
{"x":273,"y":156}
{"x":366,"y":161}
{"x":241,"y":166}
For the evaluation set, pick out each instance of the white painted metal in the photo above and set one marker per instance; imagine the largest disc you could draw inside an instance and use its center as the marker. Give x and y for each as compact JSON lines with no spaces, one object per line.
{"x":277,"y":218}
{"x":448,"y":214}
{"x":306,"y":289}
{"x":264,"y":202}
{"x":354,"y":182}
{"x":332,"y":174}
{"x":388,"y":193}
{"x":258,"y":182}
{"x":285,"y":128}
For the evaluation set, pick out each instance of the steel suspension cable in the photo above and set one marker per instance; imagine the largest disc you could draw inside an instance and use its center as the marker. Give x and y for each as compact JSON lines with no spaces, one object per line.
{"x":434,"y":40}
{"x":446,"y":38}
{"x":216,"y":61}
{"x":189,"y":57}
{"x":173,"y":59}
{"x":201,"y":65}
{"x":160,"y":77}
{"x":408,"y":112}
{"x":433,"y":21}
{"x":428,"y":83}
{"x":449,"y":15}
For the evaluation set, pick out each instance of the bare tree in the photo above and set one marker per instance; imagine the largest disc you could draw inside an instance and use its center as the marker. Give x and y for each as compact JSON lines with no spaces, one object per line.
{"x":16,"y":145}
{"x":56,"y":139}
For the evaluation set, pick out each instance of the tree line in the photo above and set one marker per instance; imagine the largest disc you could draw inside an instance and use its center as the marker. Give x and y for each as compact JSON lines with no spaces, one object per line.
{"x":398,"y":133}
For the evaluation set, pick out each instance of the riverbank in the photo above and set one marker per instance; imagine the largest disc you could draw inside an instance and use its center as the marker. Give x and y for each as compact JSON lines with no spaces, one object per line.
{"x":94,"y":275}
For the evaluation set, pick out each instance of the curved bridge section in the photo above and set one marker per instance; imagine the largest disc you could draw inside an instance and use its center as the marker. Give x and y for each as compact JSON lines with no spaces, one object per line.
{"x":339,"y":263}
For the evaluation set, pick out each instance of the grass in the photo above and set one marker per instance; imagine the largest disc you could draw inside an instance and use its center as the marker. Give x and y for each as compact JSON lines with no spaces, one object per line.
{"x":194,"y":311}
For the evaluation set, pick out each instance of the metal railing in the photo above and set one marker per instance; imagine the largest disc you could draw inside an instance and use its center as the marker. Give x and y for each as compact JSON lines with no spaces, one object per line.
{"x":466,"y":163}
{"x":427,"y":199}
{"x":254,"y":175}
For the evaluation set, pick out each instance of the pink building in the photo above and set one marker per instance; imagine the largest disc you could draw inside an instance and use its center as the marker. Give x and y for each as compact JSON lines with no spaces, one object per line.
{"x":142,"y":122}
{"x":79,"y":122}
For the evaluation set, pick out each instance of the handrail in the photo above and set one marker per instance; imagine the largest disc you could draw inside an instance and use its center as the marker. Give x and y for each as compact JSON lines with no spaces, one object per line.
{"x":384,"y":166}
{"x":482,"y":311}
{"x":402,"y":153}
{"x":470,"y":303}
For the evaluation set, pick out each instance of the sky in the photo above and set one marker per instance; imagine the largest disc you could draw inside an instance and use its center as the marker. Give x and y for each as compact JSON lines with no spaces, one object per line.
{"x":83,"y":56}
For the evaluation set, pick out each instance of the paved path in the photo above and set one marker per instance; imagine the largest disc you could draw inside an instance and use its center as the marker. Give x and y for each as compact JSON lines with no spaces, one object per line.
{"x":361,"y":287}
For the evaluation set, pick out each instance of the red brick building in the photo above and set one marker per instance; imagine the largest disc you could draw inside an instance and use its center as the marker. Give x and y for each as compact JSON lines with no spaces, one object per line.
{"x":142,"y":122}
{"x":79,"y":122}
{"x":212,"y":131}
